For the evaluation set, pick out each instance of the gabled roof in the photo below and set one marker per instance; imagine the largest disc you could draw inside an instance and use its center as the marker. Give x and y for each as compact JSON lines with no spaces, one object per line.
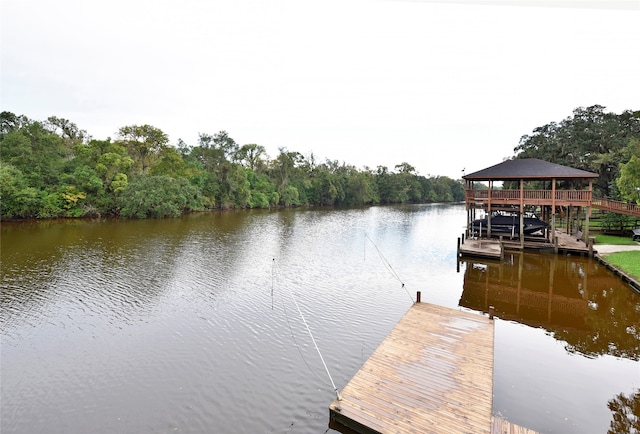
{"x":528,"y":168}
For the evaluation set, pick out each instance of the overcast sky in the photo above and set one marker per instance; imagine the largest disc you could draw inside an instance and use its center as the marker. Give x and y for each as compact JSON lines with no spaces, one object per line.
{"x":443,"y":86}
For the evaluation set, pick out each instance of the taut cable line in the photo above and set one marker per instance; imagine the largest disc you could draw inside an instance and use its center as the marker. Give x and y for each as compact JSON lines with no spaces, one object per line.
{"x":389,"y":267}
{"x":314,"y":343}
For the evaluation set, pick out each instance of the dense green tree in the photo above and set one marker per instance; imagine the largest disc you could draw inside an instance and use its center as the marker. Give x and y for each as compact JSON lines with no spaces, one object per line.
{"x":71,"y":201}
{"x":324,"y":189}
{"x":237,"y":187}
{"x":69,"y":132}
{"x":362,"y":189}
{"x":629,"y":181}
{"x":66,"y":129}
{"x":384,"y":184}
{"x":17,"y":199}
{"x":226,"y":144}
{"x":37,"y":152}
{"x":158,"y":197}
{"x":591,"y":139}
{"x":11,"y":122}
{"x":252,"y":156}
{"x":290,"y":196}
{"x":171,"y":163}
{"x":287,"y":172}
{"x":144,"y":144}
{"x":263,"y":193}
{"x":107,"y":161}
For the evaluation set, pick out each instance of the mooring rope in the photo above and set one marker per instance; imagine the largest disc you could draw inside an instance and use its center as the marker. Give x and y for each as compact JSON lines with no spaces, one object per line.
{"x":312,"y":339}
{"x":293,"y":336}
{"x":390,"y":268}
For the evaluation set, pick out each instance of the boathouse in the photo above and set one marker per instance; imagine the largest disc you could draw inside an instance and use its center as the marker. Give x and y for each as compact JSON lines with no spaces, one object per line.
{"x":532,"y":185}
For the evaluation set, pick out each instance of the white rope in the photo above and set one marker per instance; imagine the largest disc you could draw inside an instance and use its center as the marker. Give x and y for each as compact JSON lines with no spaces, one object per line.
{"x":390,"y":268}
{"x":314,"y":343}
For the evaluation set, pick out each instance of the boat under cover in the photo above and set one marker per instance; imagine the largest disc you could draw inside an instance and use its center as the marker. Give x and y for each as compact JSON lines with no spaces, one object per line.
{"x":508,"y":225}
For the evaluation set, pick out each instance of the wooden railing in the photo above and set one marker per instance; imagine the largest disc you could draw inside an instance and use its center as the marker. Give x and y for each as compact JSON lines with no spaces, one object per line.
{"x":531,"y":197}
{"x":544,"y":197}
{"x":616,"y":206}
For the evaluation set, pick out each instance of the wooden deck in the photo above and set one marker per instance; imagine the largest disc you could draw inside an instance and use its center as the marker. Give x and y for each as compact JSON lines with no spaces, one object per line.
{"x":503,"y":426}
{"x":490,"y":247}
{"x":432,"y":374}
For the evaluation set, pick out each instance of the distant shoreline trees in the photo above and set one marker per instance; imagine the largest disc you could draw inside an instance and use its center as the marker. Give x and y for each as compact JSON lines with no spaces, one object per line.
{"x":53,"y":169}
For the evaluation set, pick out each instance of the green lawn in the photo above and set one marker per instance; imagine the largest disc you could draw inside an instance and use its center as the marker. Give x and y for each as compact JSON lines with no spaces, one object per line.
{"x":614,"y":239}
{"x":629,"y":262}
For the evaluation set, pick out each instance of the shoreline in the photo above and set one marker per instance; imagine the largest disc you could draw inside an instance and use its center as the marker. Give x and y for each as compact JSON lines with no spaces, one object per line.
{"x":603,"y":250}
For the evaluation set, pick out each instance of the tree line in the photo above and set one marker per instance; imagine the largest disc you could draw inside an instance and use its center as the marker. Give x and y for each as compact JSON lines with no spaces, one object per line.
{"x":52,"y":168}
{"x":594,"y":140}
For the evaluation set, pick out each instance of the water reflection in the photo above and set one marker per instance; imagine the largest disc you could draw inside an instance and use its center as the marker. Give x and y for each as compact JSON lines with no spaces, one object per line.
{"x":575,"y":299}
{"x":626,"y":413}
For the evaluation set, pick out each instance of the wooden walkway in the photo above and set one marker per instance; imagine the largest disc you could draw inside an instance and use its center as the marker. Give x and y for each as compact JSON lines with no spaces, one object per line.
{"x":628,"y":208}
{"x":432,"y":374}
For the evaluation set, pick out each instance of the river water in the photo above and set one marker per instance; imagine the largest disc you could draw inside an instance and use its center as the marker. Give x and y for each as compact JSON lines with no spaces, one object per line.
{"x":195,"y":324}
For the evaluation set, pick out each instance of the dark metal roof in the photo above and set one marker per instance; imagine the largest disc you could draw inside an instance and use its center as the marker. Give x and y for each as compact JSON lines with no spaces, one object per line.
{"x":528,"y":168}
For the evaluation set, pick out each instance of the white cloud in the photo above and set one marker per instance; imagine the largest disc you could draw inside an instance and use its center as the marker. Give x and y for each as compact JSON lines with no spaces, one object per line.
{"x":439,"y":85}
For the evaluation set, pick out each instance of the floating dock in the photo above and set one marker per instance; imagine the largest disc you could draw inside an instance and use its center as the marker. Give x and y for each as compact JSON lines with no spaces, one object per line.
{"x":432,"y":374}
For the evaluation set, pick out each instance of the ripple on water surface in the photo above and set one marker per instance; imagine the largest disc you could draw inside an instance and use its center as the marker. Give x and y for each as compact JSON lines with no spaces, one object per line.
{"x":195,"y":325}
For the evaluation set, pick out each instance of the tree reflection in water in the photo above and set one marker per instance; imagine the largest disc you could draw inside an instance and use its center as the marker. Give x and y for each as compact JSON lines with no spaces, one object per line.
{"x":626,"y":414}
{"x":576,"y":299}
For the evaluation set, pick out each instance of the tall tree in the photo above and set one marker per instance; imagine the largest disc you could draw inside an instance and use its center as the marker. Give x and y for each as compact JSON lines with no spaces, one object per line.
{"x":144,"y":144}
{"x":629,"y":181}
{"x":251,"y":156}
{"x":11,"y":122}
{"x":591,"y":139}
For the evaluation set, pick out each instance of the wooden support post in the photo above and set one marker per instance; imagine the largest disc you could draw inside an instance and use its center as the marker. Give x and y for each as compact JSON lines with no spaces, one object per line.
{"x":521,"y":216}
{"x":418,"y":295}
{"x":521,"y":235}
{"x":590,"y":245}
{"x":458,"y":248}
{"x":587,"y":215}
{"x":491,"y":312}
{"x":501,"y":249}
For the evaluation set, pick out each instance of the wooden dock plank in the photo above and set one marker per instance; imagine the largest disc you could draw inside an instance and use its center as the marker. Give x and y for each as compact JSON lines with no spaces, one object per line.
{"x":432,"y":374}
{"x":502,"y":426}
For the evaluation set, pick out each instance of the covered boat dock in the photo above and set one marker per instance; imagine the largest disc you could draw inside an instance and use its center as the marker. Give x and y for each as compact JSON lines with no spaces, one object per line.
{"x":543,"y":188}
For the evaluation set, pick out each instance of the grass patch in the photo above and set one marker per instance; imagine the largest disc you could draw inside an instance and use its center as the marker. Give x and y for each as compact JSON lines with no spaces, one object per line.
{"x":629,"y":262}
{"x":614,"y":239}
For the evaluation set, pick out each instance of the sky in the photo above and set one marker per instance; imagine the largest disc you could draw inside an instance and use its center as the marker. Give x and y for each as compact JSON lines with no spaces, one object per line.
{"x":446,"y":86}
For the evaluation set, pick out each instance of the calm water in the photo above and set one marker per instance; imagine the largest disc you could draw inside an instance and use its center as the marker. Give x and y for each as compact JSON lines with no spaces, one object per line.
{"x":190,"y":325}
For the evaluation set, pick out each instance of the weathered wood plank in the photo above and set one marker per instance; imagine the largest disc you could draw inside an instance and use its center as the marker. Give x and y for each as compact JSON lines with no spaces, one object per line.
{"x":432,"y":374}
{"x":502,"y":426}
